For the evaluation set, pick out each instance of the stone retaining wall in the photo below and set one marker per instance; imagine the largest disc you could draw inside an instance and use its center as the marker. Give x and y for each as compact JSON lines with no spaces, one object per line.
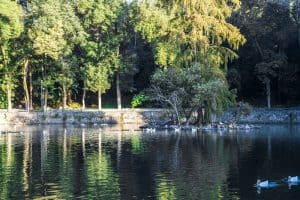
{"x":264,"y":115}
{"x":137,"y":116}
{"x":106,"y":116}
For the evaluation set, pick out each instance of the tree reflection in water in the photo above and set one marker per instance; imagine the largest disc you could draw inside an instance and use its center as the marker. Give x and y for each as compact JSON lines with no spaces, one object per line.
{"x":68,"y":162}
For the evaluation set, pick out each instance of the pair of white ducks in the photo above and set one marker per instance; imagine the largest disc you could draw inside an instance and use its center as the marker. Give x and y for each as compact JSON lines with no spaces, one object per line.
{"x":266,"y":184}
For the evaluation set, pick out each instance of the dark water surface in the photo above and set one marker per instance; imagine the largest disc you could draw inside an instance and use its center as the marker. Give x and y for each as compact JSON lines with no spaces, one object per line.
{"x":55,"y":162}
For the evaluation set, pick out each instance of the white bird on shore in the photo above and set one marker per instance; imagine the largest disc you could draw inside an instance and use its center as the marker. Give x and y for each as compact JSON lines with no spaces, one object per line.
{"x":194,"y":130}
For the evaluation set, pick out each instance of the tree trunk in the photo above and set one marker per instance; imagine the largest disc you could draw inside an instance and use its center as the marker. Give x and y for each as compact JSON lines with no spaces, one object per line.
{"x":45,"y":100}
{"x":119,"y":101}
{"x":99,"y":100}
{"x":176,"y":113}
{"x":64,"y":96}
{"x":25,"y":87}
{"x":8,"y":90}
{"x":30,"y":91}
{"x":258,"y":48}
{"x":199,"y":120}
{"x":83,"y":99}
{"x":268,"y":91}
{"x":69,"y":97}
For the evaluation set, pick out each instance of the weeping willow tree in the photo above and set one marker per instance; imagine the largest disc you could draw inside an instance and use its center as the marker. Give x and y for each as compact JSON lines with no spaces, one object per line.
{"x":184,"y":32}
{"x":190,"y":33}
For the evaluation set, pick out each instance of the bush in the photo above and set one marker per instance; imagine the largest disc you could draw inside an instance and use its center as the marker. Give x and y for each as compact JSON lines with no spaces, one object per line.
{"x":74,"y":105}
{"x":138,"y":100}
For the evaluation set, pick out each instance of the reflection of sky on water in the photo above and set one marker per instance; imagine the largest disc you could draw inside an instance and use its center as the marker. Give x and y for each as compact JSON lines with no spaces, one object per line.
{"x":95,"y":163}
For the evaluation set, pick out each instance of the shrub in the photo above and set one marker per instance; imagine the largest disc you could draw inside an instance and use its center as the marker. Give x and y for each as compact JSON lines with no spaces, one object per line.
{"x":74,"y":105}
{"x":138,"y":100}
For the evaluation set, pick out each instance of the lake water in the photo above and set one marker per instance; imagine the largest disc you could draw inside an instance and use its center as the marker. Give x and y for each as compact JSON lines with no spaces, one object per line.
{"x":56,"y":162}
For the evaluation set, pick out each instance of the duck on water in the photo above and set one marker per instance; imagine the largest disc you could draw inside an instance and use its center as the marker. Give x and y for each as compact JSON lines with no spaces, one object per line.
{"x":265,"y":184}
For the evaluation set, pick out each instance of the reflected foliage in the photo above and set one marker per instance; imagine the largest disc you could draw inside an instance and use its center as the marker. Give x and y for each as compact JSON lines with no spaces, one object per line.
{"x":67,"y":163}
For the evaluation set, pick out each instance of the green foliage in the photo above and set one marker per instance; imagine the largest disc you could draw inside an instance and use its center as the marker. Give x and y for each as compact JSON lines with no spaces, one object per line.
{"x":74,"y":105}
{"x":3,"y":100}
{"x":138,"y":100}
{"x":55,"y":28}
{"x":187,"y":90}
{"x":10,"y":21}
{"x":183,"y":32}
{"x":78,"y":44}
{"x":11,"y":27}
{"x":137,"y":145}
{"x":195,"y":38}
{"x":97,"y":78}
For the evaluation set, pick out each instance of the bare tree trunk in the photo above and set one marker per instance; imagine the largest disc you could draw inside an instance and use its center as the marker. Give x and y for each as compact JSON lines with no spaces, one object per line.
{"x":83,"y":99}
{"x":69,"y":97}
{"x":119,"y":101}
{"x":30,"y":91}
{"x":99,"y":100}
{"x":268,"y":91}
{"x":176,"y":113}
{"x":258,"y":48}
{"x":45,"y":100}
{"x":25,"y":87}
{"x":64,"y":96}
{"x":8,"y":90}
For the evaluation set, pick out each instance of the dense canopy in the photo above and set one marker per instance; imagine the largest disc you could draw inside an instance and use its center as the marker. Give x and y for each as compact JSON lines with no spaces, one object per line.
{"x":99,"y":53}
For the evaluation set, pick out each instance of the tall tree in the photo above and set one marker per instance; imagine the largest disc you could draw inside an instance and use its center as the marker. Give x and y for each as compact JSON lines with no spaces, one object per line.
{"x":11,"y":26}
{"x":270,"y":32}
{"x":102,"y":47}
{"x":192,"y":33}
{"x":55,"y":30}
{"x":127,"y":68}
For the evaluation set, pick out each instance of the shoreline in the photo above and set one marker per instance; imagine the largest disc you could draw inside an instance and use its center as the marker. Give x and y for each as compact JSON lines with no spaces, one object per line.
{"x":140,"y":116}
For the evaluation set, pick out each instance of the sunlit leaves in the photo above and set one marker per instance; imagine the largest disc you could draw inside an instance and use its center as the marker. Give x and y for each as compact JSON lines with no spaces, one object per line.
{"x":191,"y":28}
{"x":55,"y":29}
{"x":11,"y":25}
{"x":97,"y":77}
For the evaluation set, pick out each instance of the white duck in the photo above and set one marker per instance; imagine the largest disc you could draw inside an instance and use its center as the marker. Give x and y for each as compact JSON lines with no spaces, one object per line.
{"x":293,"y":179}
{"x":260,"y":183}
